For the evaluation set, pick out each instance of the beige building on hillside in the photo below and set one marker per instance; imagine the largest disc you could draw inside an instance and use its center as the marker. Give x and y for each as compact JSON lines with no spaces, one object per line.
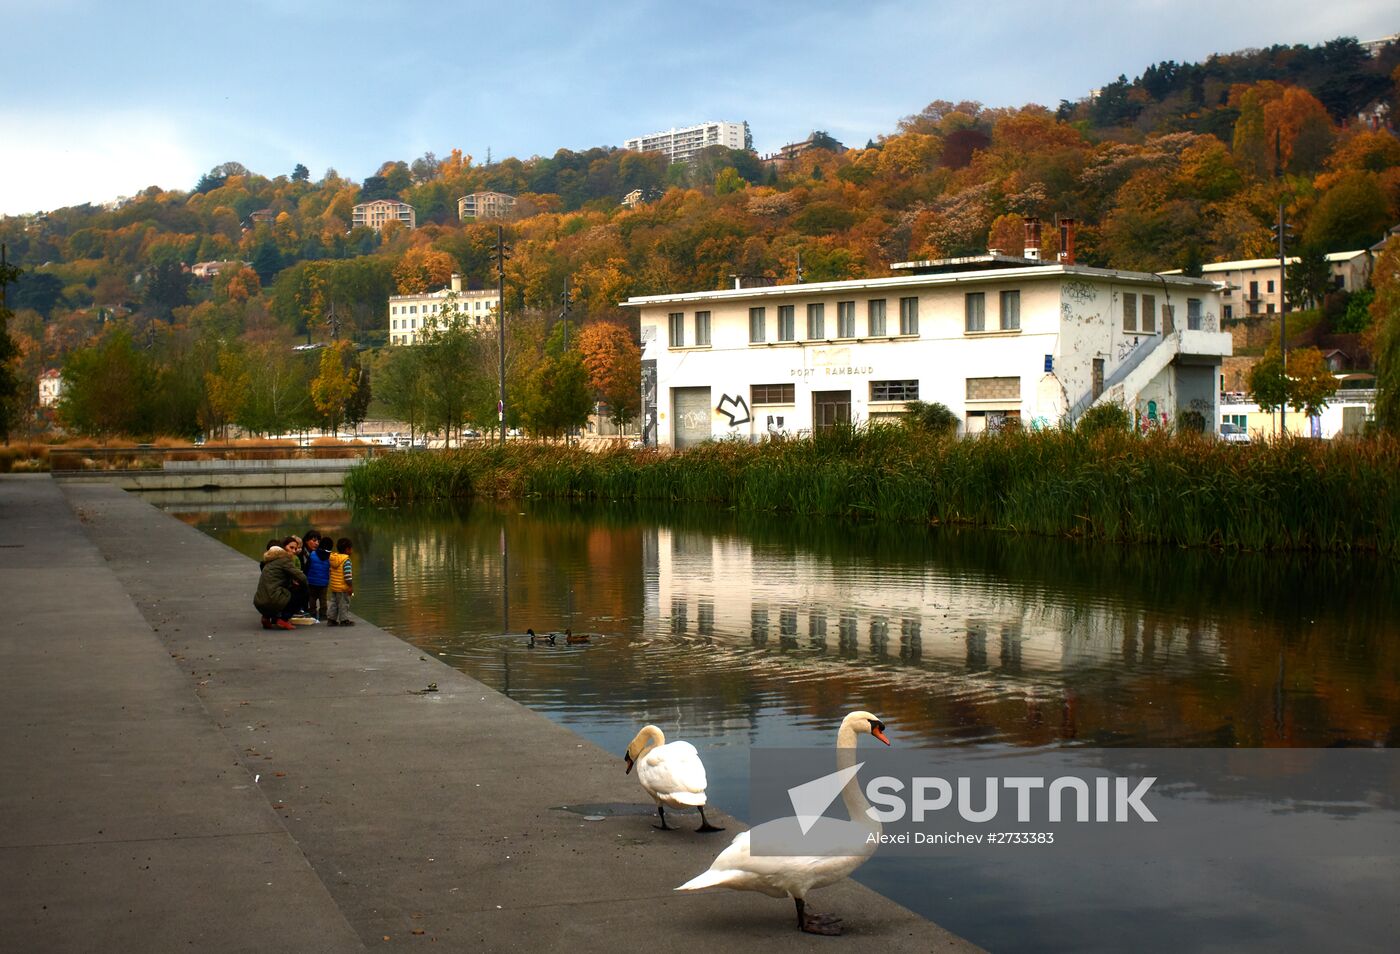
{"x":1251,"y":286}
{"x":485,"y":205}
{"x":376,"y":214}
{"x":411,"y":315}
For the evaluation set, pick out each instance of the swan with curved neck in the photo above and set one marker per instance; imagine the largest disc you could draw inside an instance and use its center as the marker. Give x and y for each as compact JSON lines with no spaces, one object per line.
{"x":671,"y":773}
{"x":795,"y":876}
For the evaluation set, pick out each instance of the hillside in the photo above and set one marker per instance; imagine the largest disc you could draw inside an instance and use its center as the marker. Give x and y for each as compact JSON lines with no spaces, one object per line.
{"x":1183,"y":164}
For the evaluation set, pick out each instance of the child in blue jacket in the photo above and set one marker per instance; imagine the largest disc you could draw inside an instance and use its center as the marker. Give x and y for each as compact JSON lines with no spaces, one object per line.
{"x":318,"y":577}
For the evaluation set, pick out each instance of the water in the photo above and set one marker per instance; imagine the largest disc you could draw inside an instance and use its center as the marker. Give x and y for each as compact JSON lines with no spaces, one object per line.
{"x":735,"y":632}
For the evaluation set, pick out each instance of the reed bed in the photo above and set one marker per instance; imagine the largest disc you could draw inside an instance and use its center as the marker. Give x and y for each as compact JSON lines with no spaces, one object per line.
{"x":1188,"y":491}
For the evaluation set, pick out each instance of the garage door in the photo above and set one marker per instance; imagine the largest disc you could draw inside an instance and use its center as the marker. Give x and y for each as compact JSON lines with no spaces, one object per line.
{"x":690,"y":416}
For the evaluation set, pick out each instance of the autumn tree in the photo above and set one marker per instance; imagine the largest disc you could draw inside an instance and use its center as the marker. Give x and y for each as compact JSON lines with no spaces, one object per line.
{"x":229,"y":387}
{"x":1385,"y":335}
{"x":1311,"y":383}
{"x":334,"y":386}
{"x":422,"y":268}
{"x":1267,"y":384}
{"x":614,"y":365}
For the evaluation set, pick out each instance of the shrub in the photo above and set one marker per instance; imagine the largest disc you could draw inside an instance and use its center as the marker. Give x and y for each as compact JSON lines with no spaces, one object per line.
{"x":934,"y":418}
{"x":1104,"y":417}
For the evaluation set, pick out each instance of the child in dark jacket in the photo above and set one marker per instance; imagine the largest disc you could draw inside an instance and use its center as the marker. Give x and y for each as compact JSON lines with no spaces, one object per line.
{"x":318,"y":577}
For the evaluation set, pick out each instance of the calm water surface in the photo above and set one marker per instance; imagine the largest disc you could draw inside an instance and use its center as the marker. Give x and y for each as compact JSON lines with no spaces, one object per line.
{"x":735,"y":632}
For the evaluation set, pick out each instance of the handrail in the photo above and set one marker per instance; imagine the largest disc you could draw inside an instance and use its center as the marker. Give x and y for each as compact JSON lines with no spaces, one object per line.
{"x":1125,"y":368}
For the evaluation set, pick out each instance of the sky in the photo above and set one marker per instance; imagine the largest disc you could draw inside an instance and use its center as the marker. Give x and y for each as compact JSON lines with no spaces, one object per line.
{"x":102,"y":99}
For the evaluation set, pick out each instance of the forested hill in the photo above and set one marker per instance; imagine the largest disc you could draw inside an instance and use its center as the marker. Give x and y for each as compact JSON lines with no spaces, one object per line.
{"x":1182,"y":165}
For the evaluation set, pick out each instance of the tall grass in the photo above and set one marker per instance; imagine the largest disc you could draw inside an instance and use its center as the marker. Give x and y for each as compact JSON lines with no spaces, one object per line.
{"x":1289,"y":495}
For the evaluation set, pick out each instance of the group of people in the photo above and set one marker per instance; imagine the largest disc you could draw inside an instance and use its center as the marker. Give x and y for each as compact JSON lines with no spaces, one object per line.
{"x":308,"y":579}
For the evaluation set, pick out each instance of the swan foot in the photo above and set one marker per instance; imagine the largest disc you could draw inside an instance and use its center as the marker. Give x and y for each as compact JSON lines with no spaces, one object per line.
{"x":705,"y":825}
{"x":827,"y":925}
{"x":661,"y":810}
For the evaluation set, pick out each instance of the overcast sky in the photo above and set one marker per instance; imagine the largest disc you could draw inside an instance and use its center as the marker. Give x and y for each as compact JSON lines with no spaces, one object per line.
{"x":104,"y":98}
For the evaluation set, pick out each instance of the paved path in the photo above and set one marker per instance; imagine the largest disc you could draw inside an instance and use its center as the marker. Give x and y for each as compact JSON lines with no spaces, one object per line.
{"x":177,"y":778}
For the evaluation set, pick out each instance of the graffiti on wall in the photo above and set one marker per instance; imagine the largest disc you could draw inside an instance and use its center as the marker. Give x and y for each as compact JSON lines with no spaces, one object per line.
{"x":734,"y":408}
{"x":649,"y":402}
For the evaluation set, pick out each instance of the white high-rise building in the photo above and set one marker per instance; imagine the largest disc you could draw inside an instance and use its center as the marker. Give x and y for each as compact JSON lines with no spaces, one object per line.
{"x":682,"y":145}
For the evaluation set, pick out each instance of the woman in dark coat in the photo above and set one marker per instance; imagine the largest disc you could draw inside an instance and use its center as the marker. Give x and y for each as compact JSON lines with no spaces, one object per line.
{"x":280,"y":575}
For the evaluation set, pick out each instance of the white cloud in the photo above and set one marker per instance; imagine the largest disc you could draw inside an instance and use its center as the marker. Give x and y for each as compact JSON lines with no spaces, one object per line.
{"x":48,"y":163}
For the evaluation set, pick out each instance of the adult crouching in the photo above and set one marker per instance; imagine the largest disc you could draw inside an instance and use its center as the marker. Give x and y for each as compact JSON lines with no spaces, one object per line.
{"x":273,"y":599}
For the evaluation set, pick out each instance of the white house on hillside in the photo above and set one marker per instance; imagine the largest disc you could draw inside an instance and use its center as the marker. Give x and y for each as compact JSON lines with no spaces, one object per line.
{"x":993,"y":337}
{"x":411,"y":315}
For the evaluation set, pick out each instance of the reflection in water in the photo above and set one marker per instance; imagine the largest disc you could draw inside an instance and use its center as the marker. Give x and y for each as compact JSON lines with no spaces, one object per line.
{"x":734,"y":632}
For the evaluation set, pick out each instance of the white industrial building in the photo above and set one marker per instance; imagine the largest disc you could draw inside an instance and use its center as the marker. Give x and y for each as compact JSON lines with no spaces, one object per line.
{"x":412,"y":315}
{"x":683,"y":145}
{"x":992,"y":337}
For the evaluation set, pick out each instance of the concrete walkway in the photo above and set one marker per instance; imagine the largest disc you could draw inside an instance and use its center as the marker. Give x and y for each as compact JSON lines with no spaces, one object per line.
{"x":177,"y":778}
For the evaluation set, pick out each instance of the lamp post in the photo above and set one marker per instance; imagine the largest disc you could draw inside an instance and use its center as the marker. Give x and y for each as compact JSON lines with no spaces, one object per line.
{"x":501,"y":327}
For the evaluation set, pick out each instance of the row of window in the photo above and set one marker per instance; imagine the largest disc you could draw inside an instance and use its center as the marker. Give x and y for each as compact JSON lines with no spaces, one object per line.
{"x":409,"y":324}
{"x":482,"y":305}
{"x":879,"y":391}
{"x":876,"y":326}
{"x":1145,"y":322}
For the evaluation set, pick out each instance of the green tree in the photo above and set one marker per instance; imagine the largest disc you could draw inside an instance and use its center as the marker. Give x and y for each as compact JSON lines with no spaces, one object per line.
{"x":9,"y":355}
{"x":300,"y":173}
{"x":403,"y":386}
{"x":1349,"y":215}
{"x":279,"y":397}
{"x":228,"y":386}
{"x":450,"y":361}
{"x":557,"y":397}
{"x":1267,"y":384}
{"x":106,"y":388}
{"x":1307,"y":281}
{"x":166,"y":287}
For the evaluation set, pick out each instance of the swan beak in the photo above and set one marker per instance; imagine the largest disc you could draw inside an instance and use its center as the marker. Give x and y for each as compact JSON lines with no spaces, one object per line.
{"x":879,"y":732}
{"x":629,"y":764}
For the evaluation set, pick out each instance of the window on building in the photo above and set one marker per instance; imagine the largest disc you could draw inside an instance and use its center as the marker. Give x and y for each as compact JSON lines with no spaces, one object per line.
{"x":816,"y":321}
{"x":975,"y":309}
{"x":1253,"y":291}
{"x":702,"y":328}
{"x":875,"y":317}
{"x":1149,"y":314}
{"x":1270,"y":309}
{"x":677,"y":321}
{"x":1011,"y":311}
{"x":1130,"y":313}
{"x":894,"y":390}
{"x":787,"y":330}
{"x":1270,"y":286}
{"x":909,"y":316}
{"x":772,"y":394}
{"x":1229,"y":311}
{"x":845,"y":319}
{"x":1193,"y":314}
{"x":757,"y":333}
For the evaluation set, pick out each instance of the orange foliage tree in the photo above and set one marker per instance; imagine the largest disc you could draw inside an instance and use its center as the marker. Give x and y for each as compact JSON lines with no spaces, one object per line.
{"x":614,"y":365}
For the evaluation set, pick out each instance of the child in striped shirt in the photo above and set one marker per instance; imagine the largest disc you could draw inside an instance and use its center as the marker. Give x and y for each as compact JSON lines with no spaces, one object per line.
{"x":342,"y":585}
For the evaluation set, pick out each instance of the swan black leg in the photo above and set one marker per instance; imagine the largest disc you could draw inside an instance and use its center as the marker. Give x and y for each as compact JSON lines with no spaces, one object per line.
{"x":705,"y":824}
{"x":827,"y":925}
{"x":661,"y":810}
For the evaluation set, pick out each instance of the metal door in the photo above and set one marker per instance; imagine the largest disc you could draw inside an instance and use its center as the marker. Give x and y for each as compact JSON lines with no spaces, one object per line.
{"x":690,"y":416}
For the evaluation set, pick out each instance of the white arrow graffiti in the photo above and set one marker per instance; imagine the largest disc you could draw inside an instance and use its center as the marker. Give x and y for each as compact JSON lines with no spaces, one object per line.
{"x":734,"y":408}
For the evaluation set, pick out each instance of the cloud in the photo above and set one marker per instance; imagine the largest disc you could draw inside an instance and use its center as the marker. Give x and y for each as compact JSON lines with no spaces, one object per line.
{"x":48,"y":162}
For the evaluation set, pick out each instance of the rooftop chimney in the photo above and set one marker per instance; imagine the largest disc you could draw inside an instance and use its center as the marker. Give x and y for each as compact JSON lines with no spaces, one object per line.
{"x":1066,"y":241}
{"x":1032,"y":237}
{"x":456,"y":282}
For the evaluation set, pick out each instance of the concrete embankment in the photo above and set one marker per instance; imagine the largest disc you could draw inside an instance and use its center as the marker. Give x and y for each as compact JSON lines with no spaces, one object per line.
{"x":178,"y":778}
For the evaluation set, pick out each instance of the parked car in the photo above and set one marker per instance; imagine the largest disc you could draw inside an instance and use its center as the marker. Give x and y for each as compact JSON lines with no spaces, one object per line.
{"x":1234,"y":433}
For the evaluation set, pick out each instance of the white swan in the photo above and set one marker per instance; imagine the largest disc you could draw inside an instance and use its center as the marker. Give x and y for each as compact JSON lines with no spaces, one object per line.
{"x":672,"y":773}
{"x":795,"y":875}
